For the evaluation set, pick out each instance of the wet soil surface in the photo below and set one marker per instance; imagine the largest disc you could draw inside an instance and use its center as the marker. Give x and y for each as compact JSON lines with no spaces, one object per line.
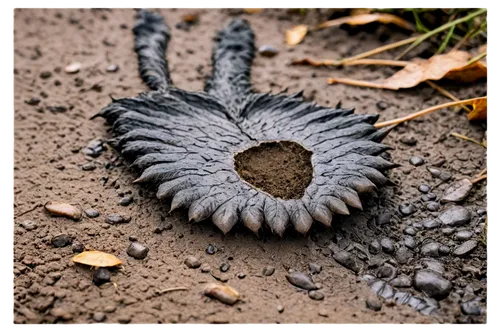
{"x":384,"y":264}
{"x":282,"y":169}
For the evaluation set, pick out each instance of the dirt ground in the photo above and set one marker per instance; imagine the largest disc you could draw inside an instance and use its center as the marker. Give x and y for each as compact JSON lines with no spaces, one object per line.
{"x":48,"y":166}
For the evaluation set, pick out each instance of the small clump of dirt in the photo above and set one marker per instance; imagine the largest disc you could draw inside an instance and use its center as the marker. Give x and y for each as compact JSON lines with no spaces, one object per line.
{"x":282,"y":169}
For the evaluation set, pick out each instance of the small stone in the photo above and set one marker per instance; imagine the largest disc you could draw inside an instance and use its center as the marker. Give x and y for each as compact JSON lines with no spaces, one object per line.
{"x":112,"y":68}
{"x":211,"y":249}
{"x":430,"y":249}
{"x":382,"y":105}
{"x":432,"y":206}
{"x":88,"y":167}
{"x":434,"y":172}
{"x":384,"y":218}
{"x":407,"y":209}
{"x":268,"y":51}
{"x":45,"y":75}
{"x":268,"y":271}
{"x":137,"y":250}
{"x":241,"y":275}
{"x":33,"y":101}
{"x":408,"y":140}
{"x":77,"y":247}
{"x":280,"y":308}
{"x":224,"y":267}
{"x":347,"y":260}
{"x":385,"y":271}
{"x":434,"y":265}
{"x":431,"y":224}
{"x":99,"y":317}
{"x":455,"y":216}
{"x":117,"y":219}
{"x":126,"y":201}
{"x":416,"y":161}
{"x":322,"y":313}
{"x":447,"y":231}
{"x":205,"y":268}
{"x":463,"y":235}
{"x":316,"y":295}
{"x":29,"y":225}
{"x":444,"y":250}
{"x":63,"y":209}
{"x":410,"y":242}
{"x":57,"y":108}
{"x":424,"y":188}
{"x":402,"y":281}
{"x":94,"y":148}
{"x":481,"y":212}
{"x":471,"y":308}
{"x":432,"y":284}
{"x":73,"y":68}
{"x":301,"y":280}
{"x":61,"y":240}
{"x":101,"y":276}
{"x":465,"y":248}
{"x":315,"y":268}
{"x":222,"y":293}
{"x":429,"y":197}
{"x":193,"y":262}
{"x":373,"y":303}
{"x":61,"y":313}
{"x":387,"y":245}
{"x":374,"y":247}
{"x":403,"y":255}
{"x":410,"y":231}
{"x":445,"y":176}
{"x":91,"y":213}
{"x":457,"y":191}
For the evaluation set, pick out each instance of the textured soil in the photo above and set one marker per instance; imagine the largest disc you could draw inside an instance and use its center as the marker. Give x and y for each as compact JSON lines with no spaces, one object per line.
{"x":282,"y":169}
{"x":50,"y":165}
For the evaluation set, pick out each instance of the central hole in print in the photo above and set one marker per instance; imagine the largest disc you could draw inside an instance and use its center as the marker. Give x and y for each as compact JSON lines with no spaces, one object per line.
{"x":281,"y":168}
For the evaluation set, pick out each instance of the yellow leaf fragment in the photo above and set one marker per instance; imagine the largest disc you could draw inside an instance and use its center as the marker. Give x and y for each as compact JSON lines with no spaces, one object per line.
{"x":295,"y":35}
{"x":253,"y":10}
{"x":96,"y":259}
{"x":63,"y":209}
{"x":479,"y":110}
{"x":363,"y":19}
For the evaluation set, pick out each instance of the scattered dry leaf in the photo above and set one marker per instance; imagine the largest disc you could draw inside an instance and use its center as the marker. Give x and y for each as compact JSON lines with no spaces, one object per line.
{"x":97,"y":259}
{"x":295,"y":35}
{"x":363,"y":19}
{"x":479,"y":110}
{"x":224,"y":294}
{"x":359,"y":11}
{"x":191,"y":18}
{"x":253,"y":10}
{"x":63,"y":209}
{"x":457,"y":191}
{"x":469,"y":73}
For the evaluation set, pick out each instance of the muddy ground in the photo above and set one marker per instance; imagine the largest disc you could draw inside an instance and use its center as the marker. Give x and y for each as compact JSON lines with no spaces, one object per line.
{"x":49,"y":156}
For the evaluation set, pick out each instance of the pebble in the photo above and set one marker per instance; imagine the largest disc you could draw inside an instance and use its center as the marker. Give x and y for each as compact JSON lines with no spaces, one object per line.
{"x":77,"y":247}
{"x":444,"y":250}
{"x":29,"y":225}
{"x":268,"y":270}
{"x":385,"y":271}
{"x":433,"y":265}
{"x":432,"y":284}
{"x":410,"y":242}
{"x":407,"y":209}
{"x":430,"y":249}
{"x":224,"y":267}
{"x":481,"y":211}
{"x":316,"y":295}
{"x":402,"y":281}
{"x":457,"y":191}
{"x":91,"y":213}
{"x":301,"y":280}
{"x":101,"y":276}
{"x":61,"y":240}
{"x":387,"y":245}
{"x":222,"y":293}
{"x":429,"y":197}
{"x":137,"y":250}
{"x":431,"y":224}
{"x":73,"y":68}
{"x":445,"y":176}
{"x":410,"y":231}
{"x":408,"y":140}
{"x":57,"y":108}
{"x":455,"y":216}
{"x":33,"y":101}
{"x":117,"y":218}
{"x":471,"y":308}
{"x":434,"y":172}
{"x":193,"y":262}
{"x":280,"y":308}
{"x":384,"y":218}
{"x":347,"y":260}
{"x":403,"y":255}
{"x":424,"y":188}
{"x":94,"y":148}
{"x":99,"y":317}
{"x":241,"y":275}
{"x":315,"y":268}
{"x":374,"y":247}
{"x":268,"y":51}
{"x":433,"y":206}
{"x":63,"y":209}
{"x":373,"y":303}
{"x":463,"y":235}
{"x":465,"y":248}
{"x":211,"y":249}
{"x":416,"y":161}
{"x":126,"y":201}
{"x":112,"y":68}
{"x":205,"y":268}
{"x":45,"y":75}
{"x":88,"y":167}
{"x":382,"y":105}
{"x":447,"y":231}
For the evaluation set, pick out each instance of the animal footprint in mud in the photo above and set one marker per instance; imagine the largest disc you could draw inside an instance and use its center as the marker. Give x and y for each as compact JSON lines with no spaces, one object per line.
{"x":232,"y":155}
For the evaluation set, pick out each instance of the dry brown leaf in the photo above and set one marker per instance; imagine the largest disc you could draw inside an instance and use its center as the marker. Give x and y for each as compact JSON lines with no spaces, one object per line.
{"x":191,"y":17}
{"x":479,"y":110}
{"x":295,"y":35}
{"x":359,"y":11}
{"x":470,"y":73}
{"x":253,"y":10}
{"x":368,"y":18}
{"x":97,"y":259}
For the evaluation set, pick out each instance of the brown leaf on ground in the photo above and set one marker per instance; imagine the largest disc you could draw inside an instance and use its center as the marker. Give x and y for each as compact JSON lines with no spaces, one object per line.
{"x":479,"y":110}
{"x":96,"y":259}
{"x":295,"y":35}
{"x":253,"y":10}
{"x":368,"y":18}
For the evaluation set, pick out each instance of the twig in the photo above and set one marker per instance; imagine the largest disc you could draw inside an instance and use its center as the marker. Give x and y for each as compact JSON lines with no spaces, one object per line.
{"x":420,"y":39}
{"x":28,"y":211}
{"x":463,"y":137}
{"x":381,"y":62}
{"x":482,"y":172}
{"x":478,"y":179}
{"x":476,"y":58}
{"x":467,"y":36}
{"x":446,"y":93}
{"x":446,"y":40}
{"x":171,"y":289}
{"x":424,"y":112}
